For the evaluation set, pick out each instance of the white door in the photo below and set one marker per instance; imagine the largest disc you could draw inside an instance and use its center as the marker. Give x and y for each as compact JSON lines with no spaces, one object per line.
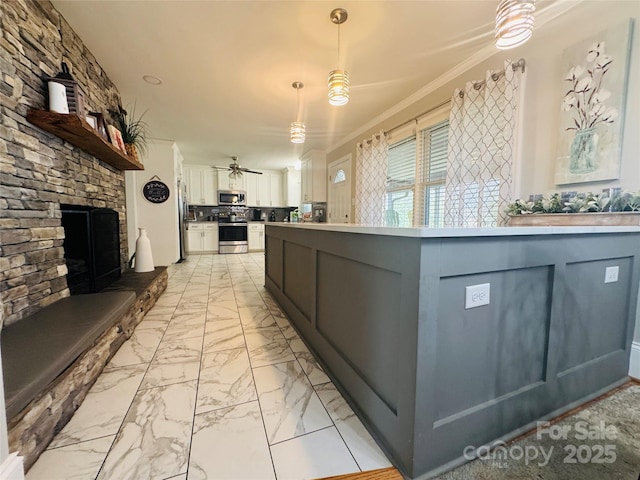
{"x":339,"y":207}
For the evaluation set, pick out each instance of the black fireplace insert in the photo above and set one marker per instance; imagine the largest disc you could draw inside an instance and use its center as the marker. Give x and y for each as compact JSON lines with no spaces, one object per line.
{"x":91,"y":247}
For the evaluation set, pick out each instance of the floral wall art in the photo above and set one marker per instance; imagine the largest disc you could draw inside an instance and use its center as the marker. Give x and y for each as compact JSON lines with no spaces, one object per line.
{"x":592,"y":107}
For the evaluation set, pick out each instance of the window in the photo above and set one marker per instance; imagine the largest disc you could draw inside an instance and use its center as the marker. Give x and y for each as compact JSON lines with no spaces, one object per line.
{"x":432,"y":166}
{"x":418,"y":202}
{"x":340,"y":177}
{"x":401,"y":177}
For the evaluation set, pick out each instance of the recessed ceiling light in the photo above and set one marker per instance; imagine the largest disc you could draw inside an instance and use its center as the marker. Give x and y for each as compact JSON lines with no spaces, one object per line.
{"x":151,"y":80}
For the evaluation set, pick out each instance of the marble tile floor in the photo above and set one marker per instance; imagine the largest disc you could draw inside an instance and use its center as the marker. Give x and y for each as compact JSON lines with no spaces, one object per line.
{"x":213,"y":384}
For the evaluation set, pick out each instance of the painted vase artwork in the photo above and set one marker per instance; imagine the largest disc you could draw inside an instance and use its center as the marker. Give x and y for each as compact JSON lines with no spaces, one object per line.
{"x":592,"y":107}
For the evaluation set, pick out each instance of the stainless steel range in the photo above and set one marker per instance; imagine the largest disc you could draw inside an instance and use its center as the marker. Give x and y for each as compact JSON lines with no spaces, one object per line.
{"x":233,"y":234}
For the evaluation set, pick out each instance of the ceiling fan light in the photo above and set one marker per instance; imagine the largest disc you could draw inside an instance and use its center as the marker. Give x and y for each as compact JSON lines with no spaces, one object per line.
{"x":338,"y":87}
{"x":514,"y":23}
{"x":298,"y":132}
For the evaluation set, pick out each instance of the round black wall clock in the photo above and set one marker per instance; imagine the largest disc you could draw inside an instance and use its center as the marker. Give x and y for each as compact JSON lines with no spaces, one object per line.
{"x":155,"y":191}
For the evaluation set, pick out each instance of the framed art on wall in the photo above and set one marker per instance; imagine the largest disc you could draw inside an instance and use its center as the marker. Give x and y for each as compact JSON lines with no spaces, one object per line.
{"x":592,"y":109}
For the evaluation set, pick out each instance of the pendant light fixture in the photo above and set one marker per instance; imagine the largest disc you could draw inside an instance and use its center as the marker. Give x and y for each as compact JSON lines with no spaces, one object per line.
{"x":298,"y":129}
{"x":514,"y":23}
{"x":338,"y":79}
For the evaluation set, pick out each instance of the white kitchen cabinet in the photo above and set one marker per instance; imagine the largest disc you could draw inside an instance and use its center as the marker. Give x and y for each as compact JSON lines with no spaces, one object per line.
{"x":314,"y":177}
{"x":264,"y":190}
{"x":251,"y":183}
{"x":201,"y":185}
{"x":256,"y":236}
{"x":202,"y":237}
{"x":194,"y":238}
{"x":210,"y":237}
{"x":291,"y":187}
{"x":275,"y":190}
{"x":226,"y":183}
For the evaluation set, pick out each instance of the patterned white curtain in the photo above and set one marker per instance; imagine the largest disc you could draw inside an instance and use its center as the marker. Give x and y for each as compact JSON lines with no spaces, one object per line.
{"x":482,"y":145}
{"x":371,"y":180}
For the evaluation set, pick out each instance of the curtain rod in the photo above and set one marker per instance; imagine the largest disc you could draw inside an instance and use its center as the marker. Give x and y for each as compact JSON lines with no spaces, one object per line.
{"x":519,"y":64}
{"x":417,"y":117}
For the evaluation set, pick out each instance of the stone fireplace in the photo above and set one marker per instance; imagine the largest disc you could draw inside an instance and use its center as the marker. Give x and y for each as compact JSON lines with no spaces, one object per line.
{"x":39,"y":171}
{"x":62,"y":223}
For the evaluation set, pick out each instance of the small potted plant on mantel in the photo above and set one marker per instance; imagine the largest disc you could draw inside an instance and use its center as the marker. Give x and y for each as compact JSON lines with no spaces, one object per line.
{"x":134,"y":131}
{"x":577,"y":209}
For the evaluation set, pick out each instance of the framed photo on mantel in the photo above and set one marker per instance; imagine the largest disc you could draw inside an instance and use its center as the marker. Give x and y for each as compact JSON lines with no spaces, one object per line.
{"x":594,"y":89}
{"x":96,"y":120}
{"x":116,"y":138}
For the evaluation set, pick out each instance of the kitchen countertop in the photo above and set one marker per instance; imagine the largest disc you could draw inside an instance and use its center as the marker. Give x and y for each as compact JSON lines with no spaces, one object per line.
{"x":262,"y":222}
{"x":425,"y":232}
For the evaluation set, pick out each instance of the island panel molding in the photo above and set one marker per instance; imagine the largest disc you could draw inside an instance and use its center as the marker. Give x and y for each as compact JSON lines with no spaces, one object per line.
{"x":387,"y":319}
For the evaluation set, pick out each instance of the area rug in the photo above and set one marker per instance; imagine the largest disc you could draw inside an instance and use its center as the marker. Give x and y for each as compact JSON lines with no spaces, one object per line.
{"x":599,"y":442}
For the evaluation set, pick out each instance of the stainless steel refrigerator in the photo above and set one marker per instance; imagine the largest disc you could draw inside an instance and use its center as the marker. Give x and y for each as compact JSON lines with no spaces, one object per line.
{"x":183,"y":210}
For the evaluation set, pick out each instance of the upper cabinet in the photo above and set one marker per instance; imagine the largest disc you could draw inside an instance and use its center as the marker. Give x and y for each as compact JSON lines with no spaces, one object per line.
{"x":264,"y":190}
{"x":291,"y":188}
{"x":201,"y":185}
{"x":251,"y":182}
{"x":226,"y":183}
{"x":275,"y":190}
{"x":314,"y":176}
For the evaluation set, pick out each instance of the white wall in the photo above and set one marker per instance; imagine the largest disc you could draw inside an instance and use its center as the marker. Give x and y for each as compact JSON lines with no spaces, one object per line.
{"x":160,"y":220}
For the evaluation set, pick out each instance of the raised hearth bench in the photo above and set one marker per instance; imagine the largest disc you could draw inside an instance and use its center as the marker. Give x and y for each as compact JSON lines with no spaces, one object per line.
{"x":51,"y":358}
{"x":384,"y":311}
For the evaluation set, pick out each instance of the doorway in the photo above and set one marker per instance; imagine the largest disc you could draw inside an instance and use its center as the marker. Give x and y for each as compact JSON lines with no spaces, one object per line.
{"x":339,"y":208}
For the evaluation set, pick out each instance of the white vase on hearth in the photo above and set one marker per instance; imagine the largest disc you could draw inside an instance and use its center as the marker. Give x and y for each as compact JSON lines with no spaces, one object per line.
{"x":144,"y":256}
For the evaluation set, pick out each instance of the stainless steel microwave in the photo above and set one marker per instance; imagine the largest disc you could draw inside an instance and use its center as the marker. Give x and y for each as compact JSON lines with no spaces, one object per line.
{"x":232,"y":197}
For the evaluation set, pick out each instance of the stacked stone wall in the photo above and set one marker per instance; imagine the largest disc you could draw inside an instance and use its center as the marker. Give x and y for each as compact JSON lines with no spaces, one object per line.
{"x":39,"y":171}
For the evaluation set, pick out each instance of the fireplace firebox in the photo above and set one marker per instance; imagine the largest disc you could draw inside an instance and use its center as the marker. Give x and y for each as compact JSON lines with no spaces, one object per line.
{"x":91,"y":247}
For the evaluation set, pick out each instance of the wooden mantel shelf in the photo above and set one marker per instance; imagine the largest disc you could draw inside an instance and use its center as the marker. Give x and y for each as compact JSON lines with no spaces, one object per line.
{"x":78,"y":132}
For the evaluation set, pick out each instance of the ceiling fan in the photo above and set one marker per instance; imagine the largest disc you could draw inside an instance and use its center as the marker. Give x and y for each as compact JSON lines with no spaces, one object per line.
{"x":236,"y":169}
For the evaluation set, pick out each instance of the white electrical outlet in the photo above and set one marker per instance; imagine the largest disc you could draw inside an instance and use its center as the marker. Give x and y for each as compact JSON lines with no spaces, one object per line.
{"x":611,"y":274}
{"x":477,"y":295}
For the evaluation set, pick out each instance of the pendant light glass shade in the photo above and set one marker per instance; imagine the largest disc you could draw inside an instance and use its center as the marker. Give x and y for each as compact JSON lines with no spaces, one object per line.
{"x":514,"y":23}
{"x":338,"y":87}
{"x":298,"y":132}
{"x":338,"y":79}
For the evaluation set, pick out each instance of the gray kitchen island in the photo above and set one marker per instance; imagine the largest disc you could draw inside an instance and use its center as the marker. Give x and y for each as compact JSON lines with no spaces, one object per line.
{"x":447,"y":339}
